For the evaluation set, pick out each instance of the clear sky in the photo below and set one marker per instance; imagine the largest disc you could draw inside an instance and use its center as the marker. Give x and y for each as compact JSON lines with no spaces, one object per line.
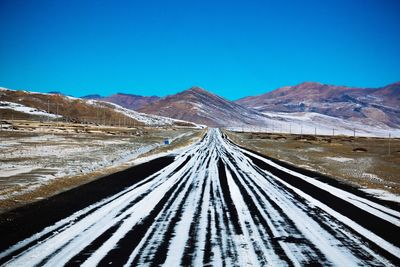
{"x":232,"y":48}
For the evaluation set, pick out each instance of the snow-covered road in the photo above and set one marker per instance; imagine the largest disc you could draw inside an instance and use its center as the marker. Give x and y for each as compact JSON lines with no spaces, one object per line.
{"x":220,"y":205}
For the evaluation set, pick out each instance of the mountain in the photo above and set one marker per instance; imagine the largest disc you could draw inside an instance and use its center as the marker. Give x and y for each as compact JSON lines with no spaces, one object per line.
{"x":306,"y":107}
{"x":359,"y":104}
{"x":129,"y":101}
{"x":18,"y":104}
{"x":55,"y":93}
{"x":202,"y":107}
{"x":93,"y":97}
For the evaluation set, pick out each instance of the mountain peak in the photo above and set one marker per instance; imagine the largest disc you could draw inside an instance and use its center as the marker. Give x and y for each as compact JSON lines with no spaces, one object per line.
{"x":197,"y":89}
{"x":125,"y":94}
{"x":308,"y":85}
{"x":198,"y":105}
{"x":129,"y":101}
{"x":92,"y":96}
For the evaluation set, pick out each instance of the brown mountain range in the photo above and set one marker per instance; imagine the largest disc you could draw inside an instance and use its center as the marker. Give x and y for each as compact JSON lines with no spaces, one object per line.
{"x":363,"y":105}
{"x":200,"y":106}
{"x":378,"y":104}
{"x":134,"y":102}
{"x":77,"y":110}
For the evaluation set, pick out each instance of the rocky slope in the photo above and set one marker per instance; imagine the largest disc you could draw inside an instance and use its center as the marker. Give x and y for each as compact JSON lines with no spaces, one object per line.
{"x":202,"y":107}
{"x":17,"y":104}
{"x":129,"y":101}
{"x":359,"y":104}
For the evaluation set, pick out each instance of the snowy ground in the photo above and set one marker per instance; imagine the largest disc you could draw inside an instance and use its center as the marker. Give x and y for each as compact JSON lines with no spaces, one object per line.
{"x":31,"y":160}
{"x":382,"y":194}
{"x":372,"y":163}
{"x":315,"y":123}
{"x":219,"y":205}
{"x":27,"y":110}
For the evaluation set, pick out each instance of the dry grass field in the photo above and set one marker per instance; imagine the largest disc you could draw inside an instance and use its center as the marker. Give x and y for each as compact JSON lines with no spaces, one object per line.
{"x":372,"y":163}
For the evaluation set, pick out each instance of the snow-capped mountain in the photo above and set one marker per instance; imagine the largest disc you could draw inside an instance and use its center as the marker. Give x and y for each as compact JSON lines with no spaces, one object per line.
{"x":365,"y":105}
{"x":20,"y":104}
{"x":202,"y":107}
{"x":129,"y":101}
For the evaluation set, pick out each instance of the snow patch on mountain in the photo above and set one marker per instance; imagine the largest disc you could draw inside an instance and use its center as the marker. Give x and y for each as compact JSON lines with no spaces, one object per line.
{"x":152,"y":120}
{"x":25,"y":109}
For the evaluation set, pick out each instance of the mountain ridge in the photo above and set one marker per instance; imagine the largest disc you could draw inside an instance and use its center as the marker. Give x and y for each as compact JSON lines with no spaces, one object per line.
{"x":380,"y":106}
{"x":129,"y":101}
{"x":21,"y":104}
{"x":352,"y":103}
{"x":204,"y":107}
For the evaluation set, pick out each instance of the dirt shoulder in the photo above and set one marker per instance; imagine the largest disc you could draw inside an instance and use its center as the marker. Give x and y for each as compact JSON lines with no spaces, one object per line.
{"x":362,"y":162}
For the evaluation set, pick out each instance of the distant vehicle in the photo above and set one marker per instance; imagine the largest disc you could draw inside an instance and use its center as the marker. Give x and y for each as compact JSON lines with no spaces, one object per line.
{"x":166,"y":142}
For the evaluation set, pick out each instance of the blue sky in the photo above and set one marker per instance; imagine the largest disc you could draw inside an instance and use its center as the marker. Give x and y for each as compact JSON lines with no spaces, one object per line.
{"x":232,"y":48}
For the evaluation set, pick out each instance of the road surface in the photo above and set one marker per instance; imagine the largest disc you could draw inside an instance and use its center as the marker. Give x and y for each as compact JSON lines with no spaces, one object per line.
{"x":218,"y":204}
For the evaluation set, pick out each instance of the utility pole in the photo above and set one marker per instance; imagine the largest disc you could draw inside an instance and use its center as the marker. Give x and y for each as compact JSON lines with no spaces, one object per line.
{"x":12,"y":120}
{"x":57,"y":113}
{"x":333,"y":132}
{"x":301,"y":129}
{"x":354,"y":132}
{"x":315,"y":131}
{"x":48,"y":109}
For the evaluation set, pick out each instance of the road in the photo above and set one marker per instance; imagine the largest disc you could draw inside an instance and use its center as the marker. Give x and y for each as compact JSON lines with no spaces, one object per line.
{"x":218,"y":204}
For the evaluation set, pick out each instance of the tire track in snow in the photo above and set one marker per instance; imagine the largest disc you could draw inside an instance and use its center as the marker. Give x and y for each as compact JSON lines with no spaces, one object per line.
{"x":217,"y":204}
{"x":283,"y":232}
{"x":375,"y":224}
{"x":119,"y":254}
{"x":196,"y":225}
